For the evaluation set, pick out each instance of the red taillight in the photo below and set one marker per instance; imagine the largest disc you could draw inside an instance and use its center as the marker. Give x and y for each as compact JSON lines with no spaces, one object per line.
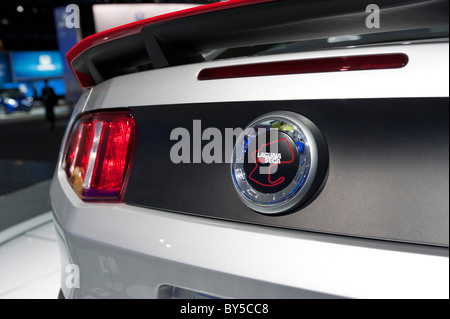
{"x":99,"y":153}
{"x":334,"y":64}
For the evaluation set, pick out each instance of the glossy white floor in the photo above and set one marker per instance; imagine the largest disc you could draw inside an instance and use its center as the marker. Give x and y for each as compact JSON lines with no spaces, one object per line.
{"x":29,"y":261}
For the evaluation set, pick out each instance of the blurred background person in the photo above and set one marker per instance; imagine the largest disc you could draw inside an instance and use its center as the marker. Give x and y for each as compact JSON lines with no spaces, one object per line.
{"x":49,"y":100}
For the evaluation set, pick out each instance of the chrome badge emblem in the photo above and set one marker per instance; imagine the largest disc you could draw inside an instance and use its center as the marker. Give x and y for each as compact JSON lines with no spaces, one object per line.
{"x":275,"y":162}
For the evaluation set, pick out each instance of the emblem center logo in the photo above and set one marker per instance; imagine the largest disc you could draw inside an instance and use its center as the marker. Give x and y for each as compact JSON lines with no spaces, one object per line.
{"x":274,"y":162}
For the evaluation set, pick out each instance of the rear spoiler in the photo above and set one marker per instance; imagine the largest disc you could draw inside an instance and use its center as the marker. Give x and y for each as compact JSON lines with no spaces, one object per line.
{"x":179,"y":38}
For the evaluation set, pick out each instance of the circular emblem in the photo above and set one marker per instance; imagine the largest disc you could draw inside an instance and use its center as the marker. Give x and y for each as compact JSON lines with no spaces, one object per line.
{"x":275,"y":162}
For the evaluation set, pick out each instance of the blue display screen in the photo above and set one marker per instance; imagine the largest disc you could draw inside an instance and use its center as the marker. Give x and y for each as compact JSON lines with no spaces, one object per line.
{"x":57,"y":85}
{"x":34,"y":89}
{"x":5,"y":69}
{"x":37,"y":64}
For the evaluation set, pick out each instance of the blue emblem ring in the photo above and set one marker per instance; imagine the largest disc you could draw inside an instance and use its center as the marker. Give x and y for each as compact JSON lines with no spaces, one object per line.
{"x":274,"y":162}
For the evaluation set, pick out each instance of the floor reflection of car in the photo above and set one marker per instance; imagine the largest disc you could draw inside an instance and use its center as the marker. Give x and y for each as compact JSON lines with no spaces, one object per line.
{"x":12,"y":100}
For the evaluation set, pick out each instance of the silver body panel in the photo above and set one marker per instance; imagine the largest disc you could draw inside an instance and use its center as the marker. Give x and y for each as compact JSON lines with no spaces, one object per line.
{"x":127,"y":251}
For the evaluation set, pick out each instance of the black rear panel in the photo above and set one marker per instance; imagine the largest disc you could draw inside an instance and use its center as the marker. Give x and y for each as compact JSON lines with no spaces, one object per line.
{"x":388,"y":167}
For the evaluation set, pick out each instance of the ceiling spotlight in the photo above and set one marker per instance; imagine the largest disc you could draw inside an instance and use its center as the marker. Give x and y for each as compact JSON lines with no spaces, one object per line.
{"x":5,"y":21}
{"x":19,"y":8}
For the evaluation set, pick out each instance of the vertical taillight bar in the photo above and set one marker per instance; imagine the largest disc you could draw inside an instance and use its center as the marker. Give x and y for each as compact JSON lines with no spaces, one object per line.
{"x":99,"y":154}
